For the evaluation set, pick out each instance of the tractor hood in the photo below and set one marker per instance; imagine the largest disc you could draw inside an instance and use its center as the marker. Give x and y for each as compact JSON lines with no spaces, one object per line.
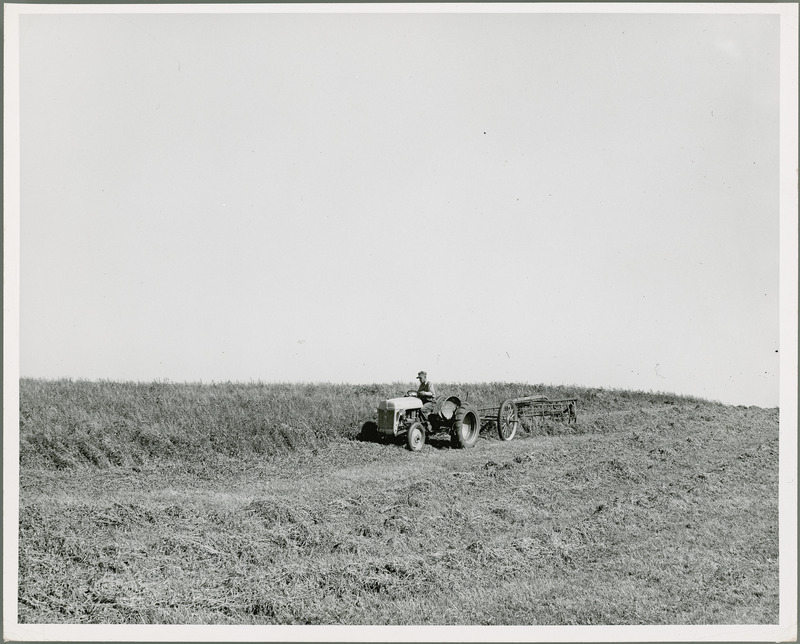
{"x":393,"y":404}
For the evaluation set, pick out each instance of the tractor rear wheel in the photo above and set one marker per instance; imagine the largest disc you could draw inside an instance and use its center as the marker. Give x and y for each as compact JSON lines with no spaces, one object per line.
{"x":466,"y":426}
{"x":507,"y":420}
{"x":415,"y":438}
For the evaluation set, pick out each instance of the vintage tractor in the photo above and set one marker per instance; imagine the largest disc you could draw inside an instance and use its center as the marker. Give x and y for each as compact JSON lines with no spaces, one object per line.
{"x":405,"y":415}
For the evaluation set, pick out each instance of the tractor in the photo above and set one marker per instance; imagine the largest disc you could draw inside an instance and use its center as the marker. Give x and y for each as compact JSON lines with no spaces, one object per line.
{"x":405,"y":416}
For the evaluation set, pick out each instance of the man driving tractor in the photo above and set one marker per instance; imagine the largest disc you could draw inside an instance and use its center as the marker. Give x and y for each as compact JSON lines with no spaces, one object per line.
{"x":419,"y":413}
{"x":425,"y":392}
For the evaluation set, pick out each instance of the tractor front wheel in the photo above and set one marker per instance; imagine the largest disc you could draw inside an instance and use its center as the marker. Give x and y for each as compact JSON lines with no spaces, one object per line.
{"x":415,"y":438}
{"x":466,"y":426}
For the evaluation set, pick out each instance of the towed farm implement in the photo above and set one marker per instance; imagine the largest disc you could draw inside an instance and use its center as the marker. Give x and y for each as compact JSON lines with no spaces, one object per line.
{"x":509,"y":414}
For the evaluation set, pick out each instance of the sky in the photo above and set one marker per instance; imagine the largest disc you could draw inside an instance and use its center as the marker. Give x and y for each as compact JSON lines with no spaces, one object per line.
{"x":586,"y":199}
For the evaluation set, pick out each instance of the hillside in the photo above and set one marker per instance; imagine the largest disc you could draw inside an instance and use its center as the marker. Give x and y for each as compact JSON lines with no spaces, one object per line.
{"x":253,"y":504}
{"x":67,"y":424}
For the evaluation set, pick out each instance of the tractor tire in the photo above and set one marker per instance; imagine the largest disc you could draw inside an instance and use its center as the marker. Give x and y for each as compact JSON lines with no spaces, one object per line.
{"x":445,"y":407}
{"x":415,"y":438}
{"x":466,"y":426}
{"x":507,"y":420}
{"x":369,"y":431}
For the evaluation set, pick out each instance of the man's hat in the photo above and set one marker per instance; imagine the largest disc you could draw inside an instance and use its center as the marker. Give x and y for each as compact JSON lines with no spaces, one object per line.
{"x":422,"y":374}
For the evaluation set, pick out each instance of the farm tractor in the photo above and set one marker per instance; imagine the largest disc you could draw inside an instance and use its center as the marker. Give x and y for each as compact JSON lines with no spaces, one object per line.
{"x":405,"y":416}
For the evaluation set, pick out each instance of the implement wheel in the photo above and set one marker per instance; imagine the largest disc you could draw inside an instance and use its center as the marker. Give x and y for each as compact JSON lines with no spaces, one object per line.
{"x":507,"y":420}
{"x":466,"y":426}
{"x":415,"y":438}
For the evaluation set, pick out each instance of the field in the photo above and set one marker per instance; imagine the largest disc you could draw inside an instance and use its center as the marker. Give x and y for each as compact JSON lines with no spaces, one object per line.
{"x":258,"y":504}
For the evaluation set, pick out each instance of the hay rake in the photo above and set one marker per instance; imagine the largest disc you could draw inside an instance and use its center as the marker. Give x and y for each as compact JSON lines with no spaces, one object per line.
{"x":509,"y":414}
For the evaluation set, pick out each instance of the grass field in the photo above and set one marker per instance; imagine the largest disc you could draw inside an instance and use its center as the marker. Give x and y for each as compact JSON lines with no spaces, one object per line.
{"x":257,"y":504}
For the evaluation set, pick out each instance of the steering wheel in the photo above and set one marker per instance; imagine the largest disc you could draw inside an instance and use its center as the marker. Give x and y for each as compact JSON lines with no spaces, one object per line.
{"x":411,"y":392}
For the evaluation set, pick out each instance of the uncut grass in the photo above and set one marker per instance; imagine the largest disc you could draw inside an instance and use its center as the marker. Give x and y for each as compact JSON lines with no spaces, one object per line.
{"x":66,"y":424}
{"x":643,"y":514}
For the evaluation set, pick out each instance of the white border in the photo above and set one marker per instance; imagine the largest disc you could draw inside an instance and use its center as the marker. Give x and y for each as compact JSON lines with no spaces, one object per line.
{"x":786,"y":630}
{"x":786,"y":10}
{"x":148,"y":633}
{"x":787,"y":456}
{"x":11,"y":275}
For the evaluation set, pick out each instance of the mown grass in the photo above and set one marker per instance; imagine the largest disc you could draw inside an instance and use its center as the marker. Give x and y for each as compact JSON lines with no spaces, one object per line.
{"x":653,"y":509}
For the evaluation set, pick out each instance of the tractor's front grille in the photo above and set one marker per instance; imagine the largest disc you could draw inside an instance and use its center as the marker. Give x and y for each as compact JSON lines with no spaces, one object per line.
{"x":386,"y":420}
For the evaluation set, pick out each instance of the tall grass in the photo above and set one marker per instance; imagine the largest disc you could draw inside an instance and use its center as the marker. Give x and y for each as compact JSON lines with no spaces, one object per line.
{"x":65,"y":423}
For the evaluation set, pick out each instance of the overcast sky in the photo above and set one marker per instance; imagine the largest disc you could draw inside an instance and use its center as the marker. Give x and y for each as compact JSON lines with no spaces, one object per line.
{"x":586,"y":199}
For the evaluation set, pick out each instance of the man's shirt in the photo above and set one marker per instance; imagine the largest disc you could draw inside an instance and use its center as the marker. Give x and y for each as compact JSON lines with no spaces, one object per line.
{"x":427,"y":387}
